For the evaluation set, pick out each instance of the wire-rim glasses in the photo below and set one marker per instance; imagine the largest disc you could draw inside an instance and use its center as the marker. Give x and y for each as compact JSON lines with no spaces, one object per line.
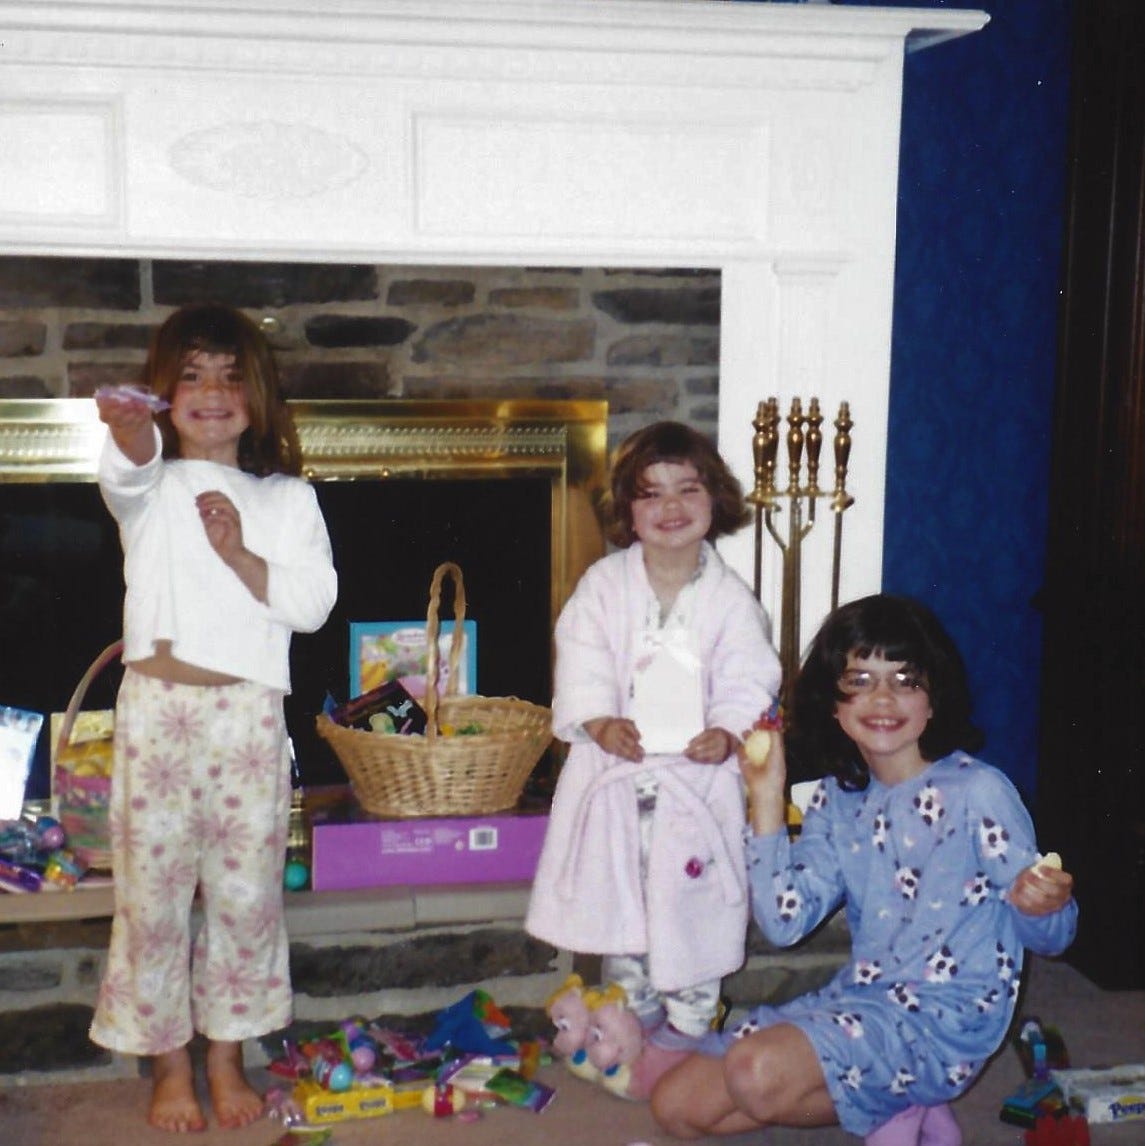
{"x":862,"y":682}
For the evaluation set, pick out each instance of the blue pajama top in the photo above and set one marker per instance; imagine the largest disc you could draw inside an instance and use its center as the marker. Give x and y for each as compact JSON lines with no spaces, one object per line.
{"x":922,"y":868}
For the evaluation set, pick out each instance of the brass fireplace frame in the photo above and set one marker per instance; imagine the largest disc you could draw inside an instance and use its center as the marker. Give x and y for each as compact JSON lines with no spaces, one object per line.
{"x":58,"y":439}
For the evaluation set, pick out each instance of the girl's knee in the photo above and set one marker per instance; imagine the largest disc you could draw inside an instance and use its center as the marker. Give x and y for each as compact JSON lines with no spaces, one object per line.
{"x":753,"y":1075}
{"x":746,"y":1061}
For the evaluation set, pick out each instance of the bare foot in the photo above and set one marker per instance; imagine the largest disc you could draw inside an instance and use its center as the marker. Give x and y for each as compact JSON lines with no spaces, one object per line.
{"x":173,"y":1102}
{"x":236,"y":1103}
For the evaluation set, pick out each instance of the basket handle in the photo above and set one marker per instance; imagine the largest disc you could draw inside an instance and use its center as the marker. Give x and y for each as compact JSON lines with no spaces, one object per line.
{"x":432,"y":628}
{"x":97,"y":666}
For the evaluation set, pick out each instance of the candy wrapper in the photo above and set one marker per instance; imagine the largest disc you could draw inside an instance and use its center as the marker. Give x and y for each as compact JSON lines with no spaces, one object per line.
{"x":19,"y":730}
{"x":81,"y":783}
{"x":1106,"y":1094}
{"x":512,"y":1087}
{"x":389,"y":708}
{"x":133,"y":394}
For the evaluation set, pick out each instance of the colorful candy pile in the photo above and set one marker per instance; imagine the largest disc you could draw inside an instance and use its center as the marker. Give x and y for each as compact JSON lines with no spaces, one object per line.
{"x":362,"y":1070}
{"x":34,"y":856}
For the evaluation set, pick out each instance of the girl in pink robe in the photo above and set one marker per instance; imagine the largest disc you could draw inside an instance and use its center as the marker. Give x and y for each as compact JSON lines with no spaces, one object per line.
{"x":643,"y":860}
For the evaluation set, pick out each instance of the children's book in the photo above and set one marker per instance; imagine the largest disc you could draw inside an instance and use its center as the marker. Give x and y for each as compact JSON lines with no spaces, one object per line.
{"x":382,"y":651}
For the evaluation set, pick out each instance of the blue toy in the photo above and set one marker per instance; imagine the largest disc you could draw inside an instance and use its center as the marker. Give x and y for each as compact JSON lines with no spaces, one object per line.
{"x":467,"y":1024}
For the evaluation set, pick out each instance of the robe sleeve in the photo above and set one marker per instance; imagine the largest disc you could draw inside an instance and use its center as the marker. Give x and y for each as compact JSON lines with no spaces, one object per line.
{"x":586,"y":675}
{"x":743,"y":669}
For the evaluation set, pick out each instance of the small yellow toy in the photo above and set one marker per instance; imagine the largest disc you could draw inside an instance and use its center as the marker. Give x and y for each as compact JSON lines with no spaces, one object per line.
{"x":319,"y":1105}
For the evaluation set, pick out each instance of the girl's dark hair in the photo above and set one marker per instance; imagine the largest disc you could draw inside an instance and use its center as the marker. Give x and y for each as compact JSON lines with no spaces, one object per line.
{"x":270,"y":444}
{"x":677,"y":443}
{"x":895,"y":629}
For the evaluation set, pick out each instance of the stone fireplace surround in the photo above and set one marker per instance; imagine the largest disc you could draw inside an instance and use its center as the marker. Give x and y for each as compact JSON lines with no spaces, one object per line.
{"x":757,"y":138}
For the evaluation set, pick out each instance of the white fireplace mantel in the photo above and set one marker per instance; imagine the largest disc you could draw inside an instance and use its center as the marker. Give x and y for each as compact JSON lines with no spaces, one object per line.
{"x":760,"y":138}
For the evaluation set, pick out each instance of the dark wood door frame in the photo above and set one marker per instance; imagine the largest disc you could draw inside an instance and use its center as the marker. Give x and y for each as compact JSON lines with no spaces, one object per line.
{"x":1091,"y":780}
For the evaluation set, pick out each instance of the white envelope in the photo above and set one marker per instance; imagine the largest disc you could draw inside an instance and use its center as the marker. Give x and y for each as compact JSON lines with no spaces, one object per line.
{"x":668,"y":700}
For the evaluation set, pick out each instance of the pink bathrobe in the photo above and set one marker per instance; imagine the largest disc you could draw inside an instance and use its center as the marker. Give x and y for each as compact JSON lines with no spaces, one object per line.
{"x":691,"y":916}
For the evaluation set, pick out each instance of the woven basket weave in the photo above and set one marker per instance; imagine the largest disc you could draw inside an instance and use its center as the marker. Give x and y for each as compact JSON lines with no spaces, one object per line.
{"x":438,"y":774}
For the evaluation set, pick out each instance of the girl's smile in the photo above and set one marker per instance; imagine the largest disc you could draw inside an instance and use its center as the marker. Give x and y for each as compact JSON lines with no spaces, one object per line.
{"x":673,"y":509}
{"x":885,"y":711}
{"x":209,"y":408}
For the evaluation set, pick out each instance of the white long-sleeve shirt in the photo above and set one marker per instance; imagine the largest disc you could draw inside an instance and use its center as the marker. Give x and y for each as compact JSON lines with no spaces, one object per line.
{"x":180,"y":590}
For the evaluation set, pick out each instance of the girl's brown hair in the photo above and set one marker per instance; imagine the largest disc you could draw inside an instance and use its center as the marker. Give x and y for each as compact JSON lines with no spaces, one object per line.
{"x":270,"y":444}
{"x":677,"y":443}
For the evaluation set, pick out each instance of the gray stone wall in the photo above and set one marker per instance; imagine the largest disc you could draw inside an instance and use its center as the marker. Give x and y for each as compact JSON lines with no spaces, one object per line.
{"x":645,"y":341}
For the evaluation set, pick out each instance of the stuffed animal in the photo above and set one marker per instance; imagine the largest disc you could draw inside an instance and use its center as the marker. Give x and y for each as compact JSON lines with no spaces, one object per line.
{"x":615,"y":1036}
{"x":567,"y":1007}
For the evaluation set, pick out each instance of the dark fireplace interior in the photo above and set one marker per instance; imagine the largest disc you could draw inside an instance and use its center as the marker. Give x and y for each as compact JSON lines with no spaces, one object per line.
{"x":61,"y":591}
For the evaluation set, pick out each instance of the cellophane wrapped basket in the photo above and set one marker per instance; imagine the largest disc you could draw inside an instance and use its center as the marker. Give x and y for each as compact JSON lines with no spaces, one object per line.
{"x":81,"y":774}
{"x":436,"y":774}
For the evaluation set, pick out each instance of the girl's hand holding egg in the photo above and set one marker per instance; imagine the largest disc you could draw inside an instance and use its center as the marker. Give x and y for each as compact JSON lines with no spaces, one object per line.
{"x":1041,"y":888}
{"x":764,"y":771}
{"x":757,"y":740}
{"x":756,"y":745}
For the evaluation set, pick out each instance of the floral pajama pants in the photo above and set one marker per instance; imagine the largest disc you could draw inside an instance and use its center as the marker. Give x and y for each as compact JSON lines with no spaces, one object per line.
{"x":200,"y":798}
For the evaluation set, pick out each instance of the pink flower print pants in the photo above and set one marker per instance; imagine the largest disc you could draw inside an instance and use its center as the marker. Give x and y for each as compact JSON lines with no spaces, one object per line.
{"x":200,"y":798}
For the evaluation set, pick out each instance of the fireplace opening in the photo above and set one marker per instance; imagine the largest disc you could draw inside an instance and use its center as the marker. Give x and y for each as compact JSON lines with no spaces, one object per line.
{"x":61,"y":592}
{"x":506,"y":490}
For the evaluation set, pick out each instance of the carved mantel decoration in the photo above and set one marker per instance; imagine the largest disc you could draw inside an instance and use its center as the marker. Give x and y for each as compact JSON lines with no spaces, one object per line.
{"x":758,"y":138}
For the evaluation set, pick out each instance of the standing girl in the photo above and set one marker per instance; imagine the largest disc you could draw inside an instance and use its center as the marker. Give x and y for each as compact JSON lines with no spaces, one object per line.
{"x":662,"y":652}
{"x":225,"y":555}
{"x":933,"y":855}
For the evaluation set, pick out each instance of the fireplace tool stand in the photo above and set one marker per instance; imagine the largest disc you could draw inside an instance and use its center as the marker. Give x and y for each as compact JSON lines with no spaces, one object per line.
{"x":800,"y":498}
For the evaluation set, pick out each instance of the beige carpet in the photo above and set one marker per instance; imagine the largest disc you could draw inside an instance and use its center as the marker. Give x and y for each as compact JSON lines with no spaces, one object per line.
{"x":1099,"y":1028}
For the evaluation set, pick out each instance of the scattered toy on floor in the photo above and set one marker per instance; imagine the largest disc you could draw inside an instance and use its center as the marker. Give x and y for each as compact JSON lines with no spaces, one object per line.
{"x":1058,"y":1130}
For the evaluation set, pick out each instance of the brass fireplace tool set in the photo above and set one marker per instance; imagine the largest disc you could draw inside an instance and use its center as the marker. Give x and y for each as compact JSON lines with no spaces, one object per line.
{"x":800,"y":498}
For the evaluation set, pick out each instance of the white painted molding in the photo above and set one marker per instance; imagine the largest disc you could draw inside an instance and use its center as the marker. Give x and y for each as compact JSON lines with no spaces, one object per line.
{"x":758,"y":138}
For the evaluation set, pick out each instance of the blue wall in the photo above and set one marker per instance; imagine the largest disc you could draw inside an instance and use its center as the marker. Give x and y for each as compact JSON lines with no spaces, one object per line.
{"x":981,"y":199}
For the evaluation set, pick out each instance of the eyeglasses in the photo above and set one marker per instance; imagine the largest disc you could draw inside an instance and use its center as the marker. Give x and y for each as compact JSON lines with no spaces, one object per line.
{"x":860,"y":682}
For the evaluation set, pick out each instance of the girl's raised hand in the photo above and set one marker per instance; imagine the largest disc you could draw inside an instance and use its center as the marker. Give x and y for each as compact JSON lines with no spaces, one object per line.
{"x":224,"y":528}
{"x":129,"y":418}
{"x":763,"y":765}
{"x":1041,"y":889}
{"x":221,"y":521}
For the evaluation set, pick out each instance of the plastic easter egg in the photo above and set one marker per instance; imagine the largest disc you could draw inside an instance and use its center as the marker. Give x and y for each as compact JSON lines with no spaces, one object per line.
{"x":334,"y":1076}
{"x":295,"y":876}
{"x":363,"y":1055}
{"x":51,"y":833}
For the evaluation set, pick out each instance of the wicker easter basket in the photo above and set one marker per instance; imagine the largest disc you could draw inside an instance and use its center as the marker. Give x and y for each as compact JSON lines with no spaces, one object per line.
{"x":438,"y":774}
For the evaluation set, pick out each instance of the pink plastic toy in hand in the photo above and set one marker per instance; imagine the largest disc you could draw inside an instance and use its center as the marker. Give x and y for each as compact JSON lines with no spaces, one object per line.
{"x":133,"y":394}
